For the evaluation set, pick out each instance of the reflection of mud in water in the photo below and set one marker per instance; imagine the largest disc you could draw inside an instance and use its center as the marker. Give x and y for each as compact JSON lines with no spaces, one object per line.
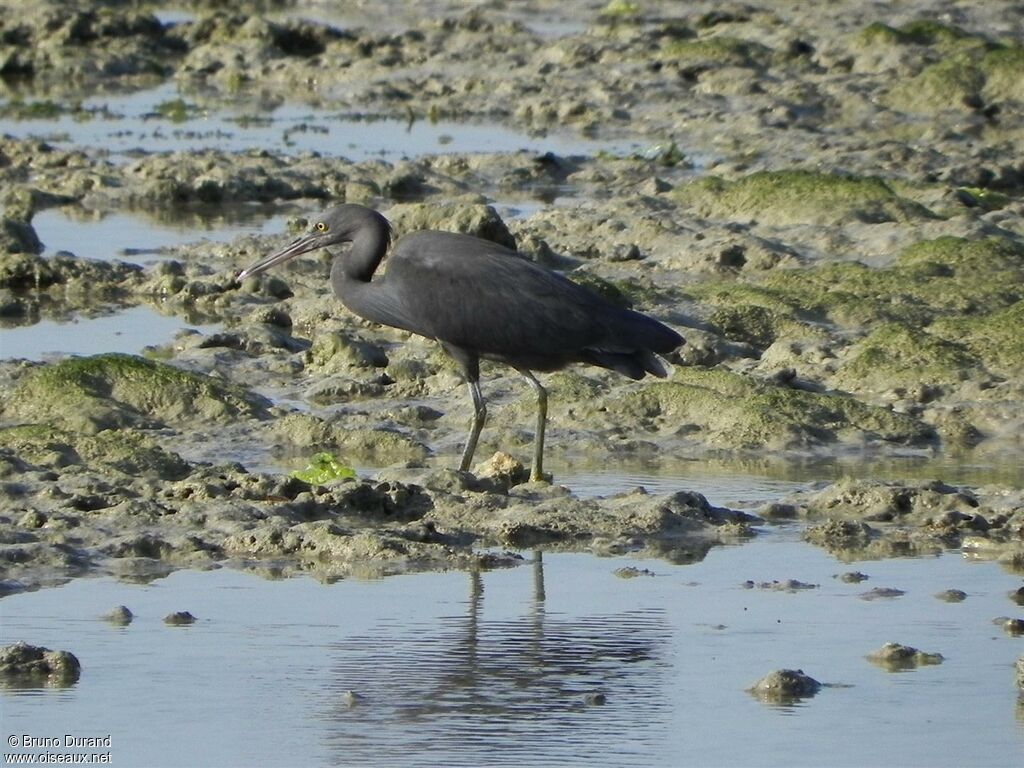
{"x":481,"y":691}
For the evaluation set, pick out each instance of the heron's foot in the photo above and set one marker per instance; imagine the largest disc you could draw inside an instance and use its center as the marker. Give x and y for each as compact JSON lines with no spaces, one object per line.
{"x":536,"y":476}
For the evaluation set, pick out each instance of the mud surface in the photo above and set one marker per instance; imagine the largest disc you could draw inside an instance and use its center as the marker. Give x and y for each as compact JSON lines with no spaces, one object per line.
{"x":828,"y":207}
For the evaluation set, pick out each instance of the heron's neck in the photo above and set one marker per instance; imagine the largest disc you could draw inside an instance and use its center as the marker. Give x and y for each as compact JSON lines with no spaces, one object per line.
{"x":358,"y":265}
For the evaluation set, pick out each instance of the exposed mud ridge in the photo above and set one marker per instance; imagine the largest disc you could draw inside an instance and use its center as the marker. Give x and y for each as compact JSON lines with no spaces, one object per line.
{"x":115,"y":502}
{"x":862,"y":519}
{"x":830,"y":213}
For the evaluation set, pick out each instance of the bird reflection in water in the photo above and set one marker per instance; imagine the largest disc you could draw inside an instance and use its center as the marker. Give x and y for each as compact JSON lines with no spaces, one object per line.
{"x":469,"y":690}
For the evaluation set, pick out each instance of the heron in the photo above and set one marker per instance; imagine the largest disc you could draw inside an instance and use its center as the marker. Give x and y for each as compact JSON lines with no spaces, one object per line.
{"x":480,"y":301}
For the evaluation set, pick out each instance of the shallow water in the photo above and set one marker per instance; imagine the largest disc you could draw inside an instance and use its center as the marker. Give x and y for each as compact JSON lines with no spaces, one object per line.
{"x":128,"y":331}
{"x":148,"y":120}
{"x":140,"y":238}
{"x":501,"y":668}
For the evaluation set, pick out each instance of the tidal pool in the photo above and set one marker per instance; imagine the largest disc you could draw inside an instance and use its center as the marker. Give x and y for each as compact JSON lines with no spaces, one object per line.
{"x":557,"y":662}
{"x":140,"y":238}
{"x":162,"y":119}
{"x":128,"y":331}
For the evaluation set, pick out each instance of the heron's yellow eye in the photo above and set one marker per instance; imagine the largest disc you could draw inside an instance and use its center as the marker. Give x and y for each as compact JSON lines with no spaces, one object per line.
{"x":321,"y":227}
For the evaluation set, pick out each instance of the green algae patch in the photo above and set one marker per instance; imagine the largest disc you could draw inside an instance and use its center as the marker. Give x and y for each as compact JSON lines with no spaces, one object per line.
{"x":621,"y":10}
{"x":176,"y":110}
{"x":987,"y":199}
{"x":748,"y":320}
{"x":739,"y":412}
{"x":721,"y":50}
{"x":371,"y":446}
{"x":606,"y":289}
{"x":894,"y":356}
{"x":123,"y":451}
{"x":323,"y":468}
{"x":32,"y":110}
{"x":952,"y":83}
{"x":920,"y":32}
{"x":1003,"y":69}
{"x":958,"y":70}
{"x":995,"y":339}
{"x":928,"y":281}
{"x":799,"y":196}
{"x":91,"y":394}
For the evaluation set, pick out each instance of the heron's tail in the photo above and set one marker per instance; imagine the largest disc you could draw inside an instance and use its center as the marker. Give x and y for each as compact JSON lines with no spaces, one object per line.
{"x":636,"y":364}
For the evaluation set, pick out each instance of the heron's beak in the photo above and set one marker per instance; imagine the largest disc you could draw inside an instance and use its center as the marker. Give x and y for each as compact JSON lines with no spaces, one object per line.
{"x":296,"y":247}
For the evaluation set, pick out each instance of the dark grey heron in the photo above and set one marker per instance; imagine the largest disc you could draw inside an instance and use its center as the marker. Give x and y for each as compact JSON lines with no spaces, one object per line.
{"x":481,"y":301}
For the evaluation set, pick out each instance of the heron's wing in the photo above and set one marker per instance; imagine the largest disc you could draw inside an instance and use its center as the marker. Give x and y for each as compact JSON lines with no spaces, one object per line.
{"x":482,"y":297}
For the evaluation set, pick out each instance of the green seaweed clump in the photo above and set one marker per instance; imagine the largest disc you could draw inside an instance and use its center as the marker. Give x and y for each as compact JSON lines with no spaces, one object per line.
{"x":957,"y":70}
{"x":176,"y":110}
{"x":986,"y":199}
{"x":799,"y":196}
{"x":951,"y":83}
{"x":721,"y":50}
{"x":621,"y":9}
{"x":920,"y":32}
{"x":895,"y":355}
{"x":323,"y":468}
{"x":123,"y":451}
{"x":947,"y":278}
{"x":32,"y":110}
{"x":106,"y":391}
{"x":996,"y":339}
{"x":740,"y":412}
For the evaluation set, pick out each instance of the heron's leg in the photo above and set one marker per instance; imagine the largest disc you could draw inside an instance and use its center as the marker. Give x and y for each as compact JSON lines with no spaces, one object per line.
{"x":479,"y":416}
{"x":537,"y":472}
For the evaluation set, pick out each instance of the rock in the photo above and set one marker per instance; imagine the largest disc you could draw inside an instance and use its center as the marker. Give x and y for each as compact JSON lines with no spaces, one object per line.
{"x":787,"y":585}
{"x":90,"y":394}
{"x":632,"y":572}
{"x":119,"y":615}
{"x":785,"y":686}
{"x":785,"y":197}
{"x":16,"y":237}
{"x":895,"y":657}
{"x":22,"y":664}
{"x":952,"y":595}
{"x":473,"y":219}
{"x":1012,"y":626}
{"x":503,"y":471}
{"x":179,"y":619}
{"x":882,"y":593}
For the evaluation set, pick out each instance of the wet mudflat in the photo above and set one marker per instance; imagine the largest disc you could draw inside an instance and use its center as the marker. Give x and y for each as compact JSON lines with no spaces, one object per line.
{"x":827,"y":208}
{"x":561,"y":661}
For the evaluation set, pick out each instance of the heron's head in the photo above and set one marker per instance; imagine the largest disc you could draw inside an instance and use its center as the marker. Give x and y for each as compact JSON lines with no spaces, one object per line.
{"x":341,"y":224}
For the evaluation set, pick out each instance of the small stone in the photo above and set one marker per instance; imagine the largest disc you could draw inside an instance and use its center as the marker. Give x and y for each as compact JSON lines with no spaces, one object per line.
{"x":503,"y":470}
{"x":784,"y":686}
{"x":32,"y":519}
{"x":1011,"y":626}
{"x":119,"y":615}
{"x":896,"y":658}
{"x":882,"y":593}
{"x":351,"y":699}
{"x":852,"y":577}
{"x":786,"y":585}
{"x":179,"y":619}
{"x":952,"y":595}
{"x":631,"y":572}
